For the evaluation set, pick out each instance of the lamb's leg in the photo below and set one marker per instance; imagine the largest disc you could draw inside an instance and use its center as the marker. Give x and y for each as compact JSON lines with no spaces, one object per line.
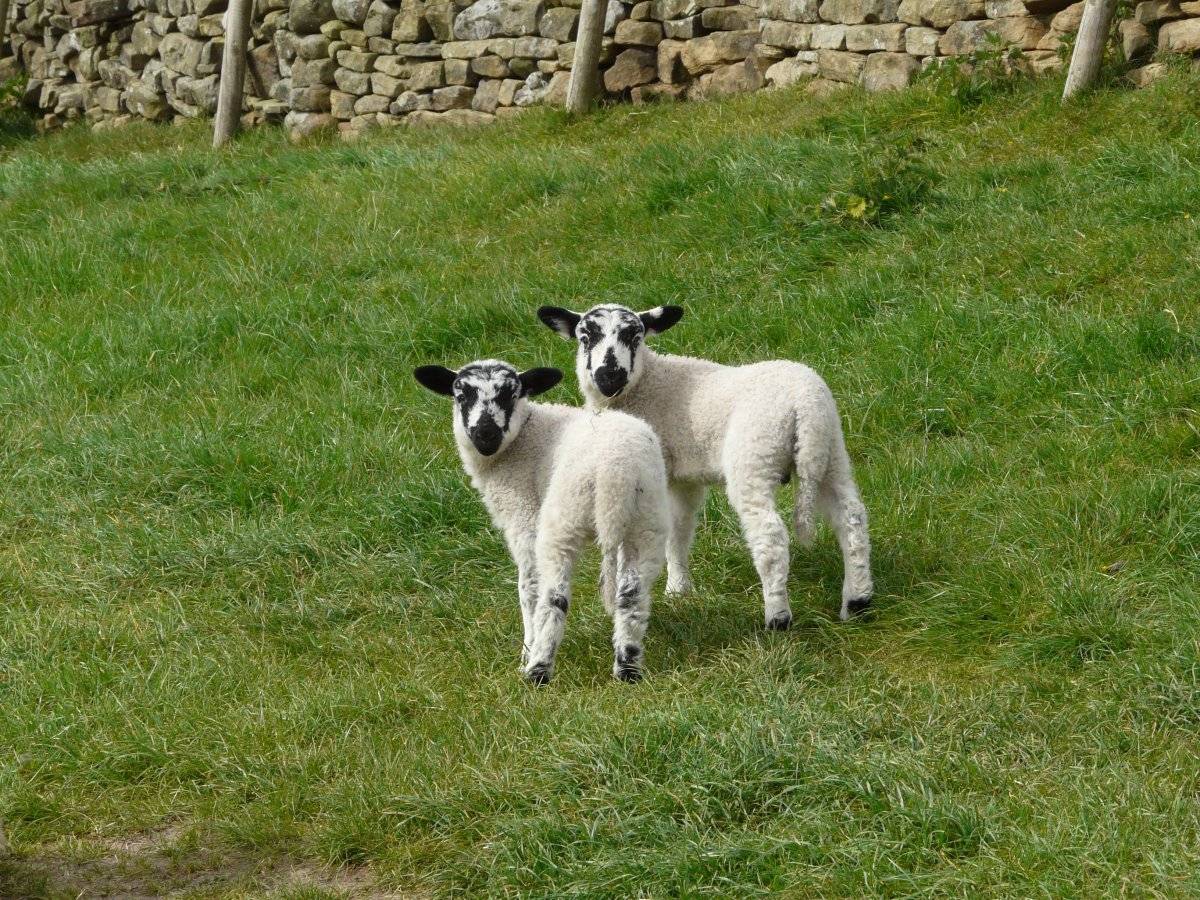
{"x":631,"y":615}
{"x":527,"y":590}
{"x":686,"y":502}
{"x":555,"y":561}
{"x":844,"y":508}
{"x":752,"y":494}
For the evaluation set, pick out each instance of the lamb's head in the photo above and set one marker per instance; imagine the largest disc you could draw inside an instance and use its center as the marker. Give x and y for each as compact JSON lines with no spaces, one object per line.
{"x":609,"y":337}
{"x":490,"y":399}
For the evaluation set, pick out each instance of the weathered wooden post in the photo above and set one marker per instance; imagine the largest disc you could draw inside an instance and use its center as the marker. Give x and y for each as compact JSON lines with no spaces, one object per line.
{"x":585,"y":70}
{"x":233,"y":71}
{"x":1089,"y":46}
{"x":3,"y":25}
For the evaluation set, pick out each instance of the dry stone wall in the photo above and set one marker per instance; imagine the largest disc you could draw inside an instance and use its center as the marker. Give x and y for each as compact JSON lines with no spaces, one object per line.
{"x":362,"y":64}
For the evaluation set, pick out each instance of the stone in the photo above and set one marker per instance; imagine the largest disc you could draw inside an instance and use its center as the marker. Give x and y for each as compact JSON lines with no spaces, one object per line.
{"x":357,"y":60}
{"x":787,"y":72}
{"x":426,"y":76}
{"x":789,"y":35}
{"x":145,"y":40}
{"x":301,"y":125}
{"x":1046,"y":7}
{"x":307,"y":16}
{"x":643,"y":11}
{"x":351,"y":82}
{"x":706,"y":53}
{"x":498,"y":18}
{"x":828,"y":37}
{"x":531,"y":47}
{"x":308,"y":72}
{"x":487,"y":95}
{"x":1151,"y":12}
{"x":458,"y":71}
{"x":790,"y":10}
{"x":824,"y":87}
{"x":440,"y":17}
{"x":352,"y":11}
{"x":656,"y":93}
{"x":197,"y":27}
{"x":370,"y":104}
{"x":670,"y":65}
{"x":181,"y":53}
{"x":508,"y":91}
{"x":464,"y":49}
{"x":309,"y":99}
{"x":683,"y":29}
{"x":729,"y":18}
{"x":532,"y":89}
{"x":1136,"y":42}
{"x":263,"y":69}
{"x":869,"y":38}
{"x":410,"y":26}
{"x":836,"y":65}
{"x":1003,"y":9}
{"x":382,"y":46}
{"x":387,"y":86}
{"x":963,"y":38}
{"x":490,"y":67}
{"x":614,"y":14}
{"x":559,"y":24}
{"x":736,"y":78}
{"x":355,"y":38}
{"x":424,"y":50}
{"x":921,"y":41}
{"x":311,"y":46}
{"x":455,"y":96}
{"x":889,"y":71}
{"x":1182,"y":36}
{"x":90,"y":12}
{"x":379,"y":20}
{"x":632,"y":33}
{"x":857,"y":12}
{"x":333,"y":28}
{"x":680,"y":9}
{"x":1147,"y":75}
{"x":142,"y":100}
{"x":341,"y":105}
{"x":631,"y":68}
{"x":940,"y":13}
{"x":1067,"y":20}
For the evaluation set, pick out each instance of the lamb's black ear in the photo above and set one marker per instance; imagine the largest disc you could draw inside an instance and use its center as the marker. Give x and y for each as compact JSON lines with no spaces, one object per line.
{"x":560,"y":320}
{"x":538,"y":381}
{"x":659,"y":319}
{"x":438,"y":379}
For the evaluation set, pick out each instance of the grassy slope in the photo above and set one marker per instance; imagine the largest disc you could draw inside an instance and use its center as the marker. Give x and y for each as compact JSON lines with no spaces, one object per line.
{"x":247,"y":590}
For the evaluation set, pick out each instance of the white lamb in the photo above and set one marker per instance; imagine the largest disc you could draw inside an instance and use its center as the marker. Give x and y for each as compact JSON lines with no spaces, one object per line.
{"x":553,"y":478}
{"x":751,"y":427}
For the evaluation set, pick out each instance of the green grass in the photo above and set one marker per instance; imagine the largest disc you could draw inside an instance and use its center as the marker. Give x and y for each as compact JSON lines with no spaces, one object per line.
{"x":248,"y":594}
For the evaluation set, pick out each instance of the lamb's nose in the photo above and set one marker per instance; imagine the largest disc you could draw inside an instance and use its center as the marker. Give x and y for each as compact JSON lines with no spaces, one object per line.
{"x":610,"y":380}
{"x":487,"y":436}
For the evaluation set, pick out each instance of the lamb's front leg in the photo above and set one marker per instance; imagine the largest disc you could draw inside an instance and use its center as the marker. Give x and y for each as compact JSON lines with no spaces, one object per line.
{"x":687,"y":499}
{"x":522,"y":546}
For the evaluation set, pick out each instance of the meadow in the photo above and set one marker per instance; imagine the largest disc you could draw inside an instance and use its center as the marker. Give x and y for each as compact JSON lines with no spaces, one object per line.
{"x":257,"y":637}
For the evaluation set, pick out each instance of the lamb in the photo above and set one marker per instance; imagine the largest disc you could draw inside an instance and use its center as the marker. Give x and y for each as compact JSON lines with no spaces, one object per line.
{"x":554,"y":477}
{"x":751,"y":427}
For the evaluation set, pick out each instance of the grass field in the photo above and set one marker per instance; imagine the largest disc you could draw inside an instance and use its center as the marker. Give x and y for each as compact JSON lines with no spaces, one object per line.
{"x":258,"y":637}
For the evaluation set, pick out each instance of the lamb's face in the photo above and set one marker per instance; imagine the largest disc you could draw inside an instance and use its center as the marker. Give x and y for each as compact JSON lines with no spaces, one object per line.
{"x":609,"y":358}
{"x":490,"y":399}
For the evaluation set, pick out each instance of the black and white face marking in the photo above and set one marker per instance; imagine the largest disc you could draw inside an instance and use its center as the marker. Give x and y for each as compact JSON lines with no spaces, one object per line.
{"x":489,"y":397}
{"x":610,"y":337}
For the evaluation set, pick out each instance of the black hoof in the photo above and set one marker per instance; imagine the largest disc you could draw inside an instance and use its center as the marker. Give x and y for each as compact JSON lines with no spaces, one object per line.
{"x":781,"y":621}
{"x":539,"y":674}
{"x":629,"y":674}
{"x":858,"y":605}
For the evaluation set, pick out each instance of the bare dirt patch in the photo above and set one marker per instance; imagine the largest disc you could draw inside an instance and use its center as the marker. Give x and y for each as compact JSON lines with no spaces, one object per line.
{"x":170,"y":862}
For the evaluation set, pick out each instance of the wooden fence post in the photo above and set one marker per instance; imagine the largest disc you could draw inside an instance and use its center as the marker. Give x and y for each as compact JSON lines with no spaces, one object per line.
{"x":585,"y":69}
{"x":1089,"y":46}
{"x":3,"y":25}
{"x":233,"y":71}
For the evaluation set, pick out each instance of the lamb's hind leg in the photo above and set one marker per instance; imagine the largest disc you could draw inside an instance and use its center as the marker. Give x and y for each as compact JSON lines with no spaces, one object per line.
{"x":556,"y":555}
{"x":752,"y":494}
{"x":639,"y":564}
{"x":844,"y":508}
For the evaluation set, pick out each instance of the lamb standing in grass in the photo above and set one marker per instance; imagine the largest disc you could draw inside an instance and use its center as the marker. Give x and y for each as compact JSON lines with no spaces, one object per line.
{"x":554,"y":477}
{"x":751,"y":427}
